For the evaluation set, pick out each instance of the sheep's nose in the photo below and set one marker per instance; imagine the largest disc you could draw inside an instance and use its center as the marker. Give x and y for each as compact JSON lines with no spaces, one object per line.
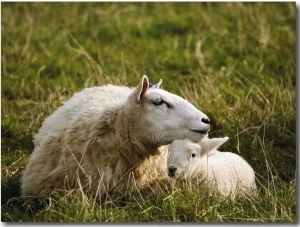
{"x":205,"y":120}
{"x":172,"y":171}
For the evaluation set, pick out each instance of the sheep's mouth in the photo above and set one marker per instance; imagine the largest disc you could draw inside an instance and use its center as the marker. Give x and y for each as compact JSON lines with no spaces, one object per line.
{"x":200,"y":131}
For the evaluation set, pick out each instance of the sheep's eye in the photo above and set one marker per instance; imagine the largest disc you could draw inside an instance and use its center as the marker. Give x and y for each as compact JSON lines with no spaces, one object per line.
{"x":158,"y":102}
{"x":193,"y":155}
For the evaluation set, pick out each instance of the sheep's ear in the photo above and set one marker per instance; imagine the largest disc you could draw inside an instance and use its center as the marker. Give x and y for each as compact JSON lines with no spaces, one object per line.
{"x":156,"y":86}
{"x":141,"y":89}
{"x":209,"y":145}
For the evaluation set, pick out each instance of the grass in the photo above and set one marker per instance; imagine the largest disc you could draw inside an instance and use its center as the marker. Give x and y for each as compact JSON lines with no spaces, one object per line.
{"x":234,"y":61}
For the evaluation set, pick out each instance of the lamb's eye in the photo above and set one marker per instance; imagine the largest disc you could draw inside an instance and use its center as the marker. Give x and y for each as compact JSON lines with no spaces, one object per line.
{"x":193,"y":155}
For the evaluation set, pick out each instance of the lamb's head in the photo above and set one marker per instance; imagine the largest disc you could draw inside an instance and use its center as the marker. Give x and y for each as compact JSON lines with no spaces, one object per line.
{"x":158,"y":117}
{"x":187,"y":158}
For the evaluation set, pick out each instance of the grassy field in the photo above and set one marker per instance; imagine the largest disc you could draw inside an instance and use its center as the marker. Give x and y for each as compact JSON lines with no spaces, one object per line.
{"x":234,"y":61}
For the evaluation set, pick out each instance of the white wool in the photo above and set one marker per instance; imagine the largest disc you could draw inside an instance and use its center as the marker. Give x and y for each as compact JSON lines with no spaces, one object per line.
{"x":104,"y":135}
{"x":223,"y":172}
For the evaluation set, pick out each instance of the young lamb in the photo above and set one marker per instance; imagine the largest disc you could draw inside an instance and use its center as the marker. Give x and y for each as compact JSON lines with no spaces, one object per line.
{"x":224,"y":172}
{"x":103,"y":135}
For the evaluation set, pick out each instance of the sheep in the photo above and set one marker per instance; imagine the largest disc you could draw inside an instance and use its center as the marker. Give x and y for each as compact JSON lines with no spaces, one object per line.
{"x":225,"y":173}
{"x":99,"y":140}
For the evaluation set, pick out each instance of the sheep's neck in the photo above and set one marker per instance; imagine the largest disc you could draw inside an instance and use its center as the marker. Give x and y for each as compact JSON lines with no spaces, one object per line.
{"x":131,"y":149}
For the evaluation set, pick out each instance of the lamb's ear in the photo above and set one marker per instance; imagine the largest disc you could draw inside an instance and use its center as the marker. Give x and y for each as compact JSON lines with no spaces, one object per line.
{"x":208,"y":145}
{"x":141,"y":89}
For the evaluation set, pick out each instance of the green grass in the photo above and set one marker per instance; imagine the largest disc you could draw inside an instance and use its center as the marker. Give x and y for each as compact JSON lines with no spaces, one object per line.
{"x":234,"y":61}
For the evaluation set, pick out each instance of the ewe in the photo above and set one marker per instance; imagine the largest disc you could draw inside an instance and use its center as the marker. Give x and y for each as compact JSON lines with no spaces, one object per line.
{"x":99,"y":138}
{"x":224,"y":172}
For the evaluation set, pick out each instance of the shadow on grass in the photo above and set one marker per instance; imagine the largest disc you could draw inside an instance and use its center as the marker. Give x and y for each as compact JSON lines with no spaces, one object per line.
{"x":14,"y":207}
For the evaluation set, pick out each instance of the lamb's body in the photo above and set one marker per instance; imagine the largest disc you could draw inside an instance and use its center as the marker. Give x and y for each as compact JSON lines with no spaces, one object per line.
{"x":229,"y":173}
{"x":99,"y":136}
{"x":222,"y":172}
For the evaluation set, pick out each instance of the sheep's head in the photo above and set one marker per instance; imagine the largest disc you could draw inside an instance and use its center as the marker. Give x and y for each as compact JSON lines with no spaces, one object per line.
{"x":187,"y":158}
{"x":159,"y":117}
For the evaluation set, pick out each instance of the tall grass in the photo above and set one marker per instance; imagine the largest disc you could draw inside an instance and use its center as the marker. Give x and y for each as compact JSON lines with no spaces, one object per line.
{"x":234,"y":61}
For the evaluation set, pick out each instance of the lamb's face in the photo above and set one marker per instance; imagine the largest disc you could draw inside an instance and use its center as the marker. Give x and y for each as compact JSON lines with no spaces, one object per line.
{"x":184,"y":158}
{"x":165,"y":117}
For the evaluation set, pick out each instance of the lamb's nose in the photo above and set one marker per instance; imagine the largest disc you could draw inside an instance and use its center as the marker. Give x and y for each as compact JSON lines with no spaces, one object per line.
{"x":172,"y":171}
{"x":205,"y":120}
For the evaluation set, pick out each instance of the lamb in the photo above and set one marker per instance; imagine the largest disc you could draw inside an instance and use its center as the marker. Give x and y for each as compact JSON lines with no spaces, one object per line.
{"x":225,"y":173}
{"x":101,"y":137}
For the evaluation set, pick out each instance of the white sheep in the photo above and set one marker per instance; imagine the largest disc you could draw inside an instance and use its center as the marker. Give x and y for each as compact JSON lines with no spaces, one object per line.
{"x":223,"y":172}
{"x":101,"y":138}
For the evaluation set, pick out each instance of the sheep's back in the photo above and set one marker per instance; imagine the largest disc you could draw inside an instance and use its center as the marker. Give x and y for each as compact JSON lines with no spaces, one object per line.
{"x":96,"y":99}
